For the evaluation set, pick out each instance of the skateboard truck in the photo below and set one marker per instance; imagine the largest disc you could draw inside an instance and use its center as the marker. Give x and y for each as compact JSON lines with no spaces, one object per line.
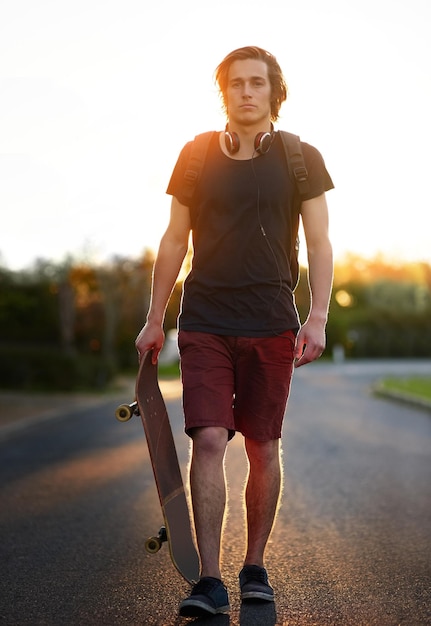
{"x":153,"y":544}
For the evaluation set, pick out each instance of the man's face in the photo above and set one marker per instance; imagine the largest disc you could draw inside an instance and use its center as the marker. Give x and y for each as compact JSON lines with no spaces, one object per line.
{"x":248,"y":92}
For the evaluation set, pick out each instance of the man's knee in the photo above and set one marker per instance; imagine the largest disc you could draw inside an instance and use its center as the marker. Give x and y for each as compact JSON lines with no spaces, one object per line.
{"x":263,"y":452}
{"x":210,"y":439}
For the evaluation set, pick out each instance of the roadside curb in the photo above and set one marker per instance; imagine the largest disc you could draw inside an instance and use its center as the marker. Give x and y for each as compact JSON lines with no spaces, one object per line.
{"x":399,"y":396}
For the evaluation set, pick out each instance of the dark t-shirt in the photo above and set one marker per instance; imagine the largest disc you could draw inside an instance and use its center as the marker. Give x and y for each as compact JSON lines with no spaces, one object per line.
{"x":240,"y":283}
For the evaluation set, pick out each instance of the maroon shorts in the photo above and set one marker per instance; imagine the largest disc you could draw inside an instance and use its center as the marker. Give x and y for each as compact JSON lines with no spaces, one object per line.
{"x":238,"y":383}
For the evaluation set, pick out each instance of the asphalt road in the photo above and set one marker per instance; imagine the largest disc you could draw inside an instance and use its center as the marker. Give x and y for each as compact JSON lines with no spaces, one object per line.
{"x":351,"y":545}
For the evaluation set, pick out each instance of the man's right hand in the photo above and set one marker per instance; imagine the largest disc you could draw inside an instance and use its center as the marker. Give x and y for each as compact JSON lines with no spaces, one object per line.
{"x":151,"y":337}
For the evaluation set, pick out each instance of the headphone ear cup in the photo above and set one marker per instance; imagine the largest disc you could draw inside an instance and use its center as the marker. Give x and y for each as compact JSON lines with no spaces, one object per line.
{"x":262,"y":142}
{"x":231,"y":142}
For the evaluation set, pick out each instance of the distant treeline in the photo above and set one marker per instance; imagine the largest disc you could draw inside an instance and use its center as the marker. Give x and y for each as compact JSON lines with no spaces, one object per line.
{"x":72,"y":325}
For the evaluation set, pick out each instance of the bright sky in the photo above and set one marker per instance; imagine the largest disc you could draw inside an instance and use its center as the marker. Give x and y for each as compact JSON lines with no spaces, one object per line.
{"x":97,"y":97}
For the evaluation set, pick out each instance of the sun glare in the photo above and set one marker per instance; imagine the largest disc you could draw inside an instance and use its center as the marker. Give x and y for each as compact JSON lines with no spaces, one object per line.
{"x":343,"y":298}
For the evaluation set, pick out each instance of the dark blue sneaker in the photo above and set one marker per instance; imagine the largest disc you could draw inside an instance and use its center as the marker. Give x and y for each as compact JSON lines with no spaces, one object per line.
{"x":209,"y":595}
{"x":253,"y":581}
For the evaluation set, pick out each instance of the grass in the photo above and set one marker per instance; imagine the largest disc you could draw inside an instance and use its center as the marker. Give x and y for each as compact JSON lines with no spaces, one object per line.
{"x":169,"y":371}
{"x":416,"y":386}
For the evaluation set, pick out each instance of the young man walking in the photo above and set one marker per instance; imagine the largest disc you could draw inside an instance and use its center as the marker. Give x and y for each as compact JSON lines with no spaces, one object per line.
{"x":239,"y":334}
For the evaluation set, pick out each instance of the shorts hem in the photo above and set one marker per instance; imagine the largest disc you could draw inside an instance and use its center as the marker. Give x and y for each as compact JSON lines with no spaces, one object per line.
{"x":189,"y":429}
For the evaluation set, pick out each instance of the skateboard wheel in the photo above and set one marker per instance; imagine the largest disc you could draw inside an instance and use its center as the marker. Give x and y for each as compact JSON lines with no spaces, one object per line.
{"x":153,"y":545}
{"x":123,"y":413}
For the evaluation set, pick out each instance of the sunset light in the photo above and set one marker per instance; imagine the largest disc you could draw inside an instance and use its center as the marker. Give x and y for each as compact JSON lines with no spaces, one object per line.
{"x":98,"y":99}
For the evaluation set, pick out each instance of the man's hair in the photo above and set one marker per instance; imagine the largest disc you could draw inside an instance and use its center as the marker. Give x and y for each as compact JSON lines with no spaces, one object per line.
{"x":276,"y":78}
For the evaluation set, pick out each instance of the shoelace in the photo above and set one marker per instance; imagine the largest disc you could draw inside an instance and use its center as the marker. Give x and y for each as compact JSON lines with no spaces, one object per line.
{"x":257,"y":575}
{"x":204,"y":586}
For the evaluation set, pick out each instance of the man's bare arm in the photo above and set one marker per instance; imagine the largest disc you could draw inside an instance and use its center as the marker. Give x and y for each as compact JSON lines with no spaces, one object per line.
{"x":311,"y":338}
{"x":172,"y":250}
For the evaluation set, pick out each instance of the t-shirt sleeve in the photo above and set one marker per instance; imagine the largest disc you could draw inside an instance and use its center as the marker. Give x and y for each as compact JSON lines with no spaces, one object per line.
{"x":176,"y":183}
{"x":318,"y":176}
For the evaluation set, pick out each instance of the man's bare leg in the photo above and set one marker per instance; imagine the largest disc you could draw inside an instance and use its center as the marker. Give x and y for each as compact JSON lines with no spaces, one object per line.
{"x":261,"y":496}
{"x":208,"y":490}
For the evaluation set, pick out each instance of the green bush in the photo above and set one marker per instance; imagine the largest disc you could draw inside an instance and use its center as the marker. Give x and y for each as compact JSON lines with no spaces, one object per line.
{"x":47,"y":368}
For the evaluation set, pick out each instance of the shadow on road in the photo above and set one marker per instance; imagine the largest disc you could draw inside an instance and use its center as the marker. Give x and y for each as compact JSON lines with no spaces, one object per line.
{"x":251,"y":614}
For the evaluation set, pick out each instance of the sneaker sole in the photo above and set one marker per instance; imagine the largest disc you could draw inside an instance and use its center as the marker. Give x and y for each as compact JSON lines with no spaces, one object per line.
{"x":257,"y":595}
{"x":195,"y":608}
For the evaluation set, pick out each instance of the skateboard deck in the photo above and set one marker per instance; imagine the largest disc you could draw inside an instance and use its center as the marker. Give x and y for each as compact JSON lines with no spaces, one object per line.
{"x":176,"y":531}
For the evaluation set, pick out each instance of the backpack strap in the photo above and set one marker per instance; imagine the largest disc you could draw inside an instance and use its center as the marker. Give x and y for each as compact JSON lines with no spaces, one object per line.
{"x":295,"y":161}
{"x":196,"y":162}
{"x":299,"y":175}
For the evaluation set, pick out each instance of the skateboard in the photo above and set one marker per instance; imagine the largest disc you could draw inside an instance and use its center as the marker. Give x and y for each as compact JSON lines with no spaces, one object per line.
{"x":176,"y":531}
